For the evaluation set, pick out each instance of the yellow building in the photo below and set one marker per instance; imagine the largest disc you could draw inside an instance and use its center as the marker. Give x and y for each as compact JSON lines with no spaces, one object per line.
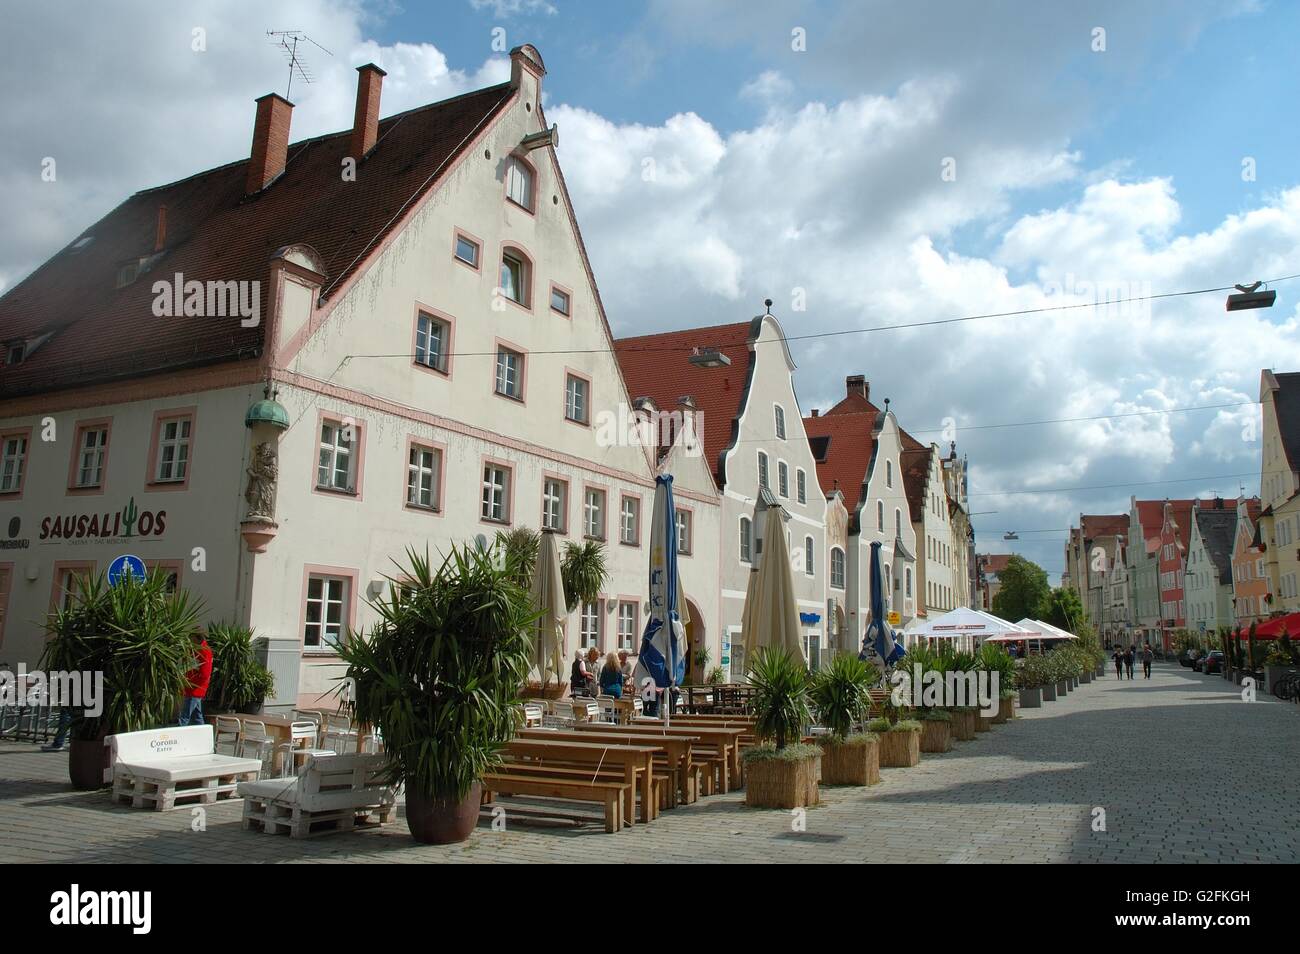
{"x":1279,"y":483}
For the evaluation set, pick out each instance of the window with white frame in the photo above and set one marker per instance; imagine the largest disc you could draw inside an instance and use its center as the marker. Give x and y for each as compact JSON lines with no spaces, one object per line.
{"x":780,"y":421}
{"x":336,"y":465}
{"x":837,"y":568}
{"x":423,"y":467}
{"x":519,"y":182}
{"x":510,"y":374}
{"x":593,"y":514}
{"x":746,"y":540}
{"x":514,"y":277}
{"x":783,"y":479}
{"x":684,"y":532}
{"x":809,"y":556}
{"x":173,"y":450}
{"x":801,"y":485}
{"x":327,"y":598}
{"x":629,"y":521}
{"x":496,"y":493}
{"x":589,"y":628}
{"x":92,"y":449}
{"x":467,"y":250}
{"x":561,"y":301}
{"x":626,"y":625}
{"x":762,"y":469}
{"x":432,"y":335}
{"x":576,"y":401}
{"x":554,"y":496}
{"x":13,"y":460}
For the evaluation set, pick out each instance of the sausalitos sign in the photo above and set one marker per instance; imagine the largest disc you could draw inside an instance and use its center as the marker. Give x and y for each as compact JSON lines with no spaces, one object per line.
{"x":125,"y":523}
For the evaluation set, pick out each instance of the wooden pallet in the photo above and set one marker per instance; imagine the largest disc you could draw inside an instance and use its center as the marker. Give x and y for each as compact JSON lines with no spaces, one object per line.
{"x":276,"y":817}
{"x":166,"y":796}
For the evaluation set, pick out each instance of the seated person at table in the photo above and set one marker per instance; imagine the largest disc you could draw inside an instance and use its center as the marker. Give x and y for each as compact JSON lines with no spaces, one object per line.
{"x":611,"y":678}
{"x":579,"y":676}
{"x":626,"y":666}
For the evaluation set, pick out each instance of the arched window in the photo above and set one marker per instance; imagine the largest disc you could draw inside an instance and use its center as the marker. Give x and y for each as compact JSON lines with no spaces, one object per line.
{"x":516,"y":276}
{"x":520,"y":182}
{"x":837,"y":568}
{"x":746,"y":540}
{"x":780,"y":421}
{"x":762,"y":470}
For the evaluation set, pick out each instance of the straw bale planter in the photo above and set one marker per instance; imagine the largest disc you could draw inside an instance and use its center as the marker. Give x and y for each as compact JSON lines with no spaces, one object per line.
{"x":900,"y":743}
{"x":855,"y":761}
{"x":983,"y":723}
{"x":936,"y":731}
{"x":963,"y":724}
{"x":1007,"y":709}
{"x":784,"y":779}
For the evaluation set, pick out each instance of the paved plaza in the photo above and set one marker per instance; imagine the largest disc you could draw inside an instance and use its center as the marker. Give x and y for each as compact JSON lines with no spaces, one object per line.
{"x":1184,"y":770}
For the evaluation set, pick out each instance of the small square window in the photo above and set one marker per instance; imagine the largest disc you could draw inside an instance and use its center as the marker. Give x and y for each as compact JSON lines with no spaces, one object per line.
{"x":467,"y":250}
{"x":560,"y":301}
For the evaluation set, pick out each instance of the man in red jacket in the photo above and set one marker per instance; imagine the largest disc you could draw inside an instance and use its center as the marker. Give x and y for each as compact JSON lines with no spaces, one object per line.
{"x":200,"y":676}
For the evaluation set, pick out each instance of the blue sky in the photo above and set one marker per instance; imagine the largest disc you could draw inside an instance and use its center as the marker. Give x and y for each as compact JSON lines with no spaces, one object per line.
{"x":813,"y":172}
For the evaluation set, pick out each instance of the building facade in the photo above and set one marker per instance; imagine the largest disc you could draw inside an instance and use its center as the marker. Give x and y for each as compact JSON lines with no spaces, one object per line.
{"x":1209,"y":566}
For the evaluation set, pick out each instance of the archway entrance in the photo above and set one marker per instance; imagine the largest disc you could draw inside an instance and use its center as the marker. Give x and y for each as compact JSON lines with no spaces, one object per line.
{"x":695,"y":641}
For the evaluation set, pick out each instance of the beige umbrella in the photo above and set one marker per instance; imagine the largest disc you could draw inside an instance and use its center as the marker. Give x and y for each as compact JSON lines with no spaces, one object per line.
{"x":548,"y":596}
{"x":773,"y":617}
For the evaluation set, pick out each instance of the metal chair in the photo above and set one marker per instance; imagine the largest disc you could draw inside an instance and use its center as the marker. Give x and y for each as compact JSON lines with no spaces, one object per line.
{"x":227,"y":734}
{"x":254,"y":737}
{"x":304,"y":731}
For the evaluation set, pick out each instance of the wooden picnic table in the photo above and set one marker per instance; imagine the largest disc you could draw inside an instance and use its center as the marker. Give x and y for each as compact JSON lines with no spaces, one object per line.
{"x":633,"y":759}
{"x":698,"y":697}
{"x":676,"y":745}
{"x":725,"y":740}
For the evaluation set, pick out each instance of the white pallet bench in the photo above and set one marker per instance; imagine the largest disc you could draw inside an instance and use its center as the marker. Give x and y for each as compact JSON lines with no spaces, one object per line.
{"x":165,"y":769}
{"x":332,"y":793}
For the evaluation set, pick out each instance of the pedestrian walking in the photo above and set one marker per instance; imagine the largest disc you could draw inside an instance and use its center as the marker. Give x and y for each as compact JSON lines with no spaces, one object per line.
{"x":1129,"y":658}
{"x":1147,"y":656}
{"x":199,"y":677}
{"x":1118,"y":656}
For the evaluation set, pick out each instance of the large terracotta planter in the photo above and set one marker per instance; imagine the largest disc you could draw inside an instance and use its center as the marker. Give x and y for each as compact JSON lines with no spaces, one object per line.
{"x":851,"y":763}
{"x":1007,"y":709}
{"x":782,"y":783}
{"x":936,"y":736}
{"x":441,"y":821}
{"x":87,"y":763}
{"x":963,"y":724}
{"x":900,"y":749}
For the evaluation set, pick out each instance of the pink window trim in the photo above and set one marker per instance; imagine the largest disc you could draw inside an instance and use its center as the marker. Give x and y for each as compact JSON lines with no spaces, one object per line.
{"x":422,"y":308}
{"x":86,"y":567}
{"x":530,"y":275}
{"x":8,"y":495}
{"x":604,"y":511}
{"x":414,"y":441}
{"x":499,"y":344}
{"x":690,"y":519}
{"x":349,"y":611}
{"x":78,"y":429}
{"x":7,"y":579}
{"x":556,"y":286}
{"x":505,"y":183}
{"x":568,"y":500}
{"x":509,"y":468}
{"x":639,"y":502}
{"x":177,"y":566}
{"x":457,"y":234}
{"x":358,"y":455}
{"x":151,"y":482}
{"x":571,"y":372}
{"x":636,"y":620}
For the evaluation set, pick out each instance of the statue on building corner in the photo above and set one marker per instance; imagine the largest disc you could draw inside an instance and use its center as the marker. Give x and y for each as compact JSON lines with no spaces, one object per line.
{"x":260,"y":492}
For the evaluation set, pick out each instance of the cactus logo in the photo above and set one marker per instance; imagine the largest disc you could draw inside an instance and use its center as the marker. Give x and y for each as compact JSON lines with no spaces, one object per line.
{"x":129,"y":516}
{"x":126,"y":523}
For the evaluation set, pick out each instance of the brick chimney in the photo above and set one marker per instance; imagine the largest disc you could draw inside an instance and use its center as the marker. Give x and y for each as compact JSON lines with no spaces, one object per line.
{"x":857,"y":384}
{"x":270,"y":142}
{"x":816,"y":412}
{"x":365,"y":123}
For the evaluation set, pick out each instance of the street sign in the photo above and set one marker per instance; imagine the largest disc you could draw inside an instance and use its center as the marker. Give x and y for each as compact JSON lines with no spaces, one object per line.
{"x":125,"y":565}
{"x":894,"y":619}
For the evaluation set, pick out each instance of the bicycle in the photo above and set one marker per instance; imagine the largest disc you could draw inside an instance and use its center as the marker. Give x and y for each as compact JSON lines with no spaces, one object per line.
{"x":1288,"y":687}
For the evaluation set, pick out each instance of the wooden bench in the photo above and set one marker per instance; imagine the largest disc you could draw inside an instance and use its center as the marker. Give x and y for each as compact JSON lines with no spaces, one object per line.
{"x":506,"y":781}
{"x":341,"y":792}
{"x":664,"y":777}
{"x":636,"y":762}
{"x":165,"y":766}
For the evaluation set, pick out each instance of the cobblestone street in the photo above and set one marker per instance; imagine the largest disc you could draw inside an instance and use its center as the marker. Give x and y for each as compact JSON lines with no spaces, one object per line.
{"x":1183,"y":769}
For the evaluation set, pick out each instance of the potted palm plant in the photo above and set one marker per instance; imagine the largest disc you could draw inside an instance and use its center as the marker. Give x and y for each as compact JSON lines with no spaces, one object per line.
{"x":839,"y":693}
{"x":584,"y":572}
{"x":782,"y":772}
{"x":239,"y":682}
{"x":440,"y":676}
{"x":139,"y":635}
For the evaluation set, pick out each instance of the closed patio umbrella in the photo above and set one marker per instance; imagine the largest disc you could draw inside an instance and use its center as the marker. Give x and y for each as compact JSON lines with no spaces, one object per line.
{"x":548,"y":597}
{"x":773,"y":617}
{"x":662,"y":659}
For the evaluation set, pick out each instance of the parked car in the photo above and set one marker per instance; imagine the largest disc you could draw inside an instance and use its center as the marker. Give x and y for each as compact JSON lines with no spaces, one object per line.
{"x":1210,"y":663}
{"x":1188,"y":658}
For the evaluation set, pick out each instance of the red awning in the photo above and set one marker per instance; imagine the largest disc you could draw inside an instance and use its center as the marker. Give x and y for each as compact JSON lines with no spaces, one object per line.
{"x":1272,"y":629}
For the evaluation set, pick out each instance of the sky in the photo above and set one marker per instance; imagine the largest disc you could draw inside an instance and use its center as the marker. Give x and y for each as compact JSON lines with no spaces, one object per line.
{"x":861,"y":163}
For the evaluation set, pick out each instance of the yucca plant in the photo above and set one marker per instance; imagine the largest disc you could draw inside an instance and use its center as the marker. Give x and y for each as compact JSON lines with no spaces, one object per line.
{"x":994,"y":659}
{"x":584,"y":572}
{"x":839,"y":693}
{"x":440,"y":673}
{"x":138,"y":634}
{"x":239,"y":681}
{"x":519,"y":548}
{"x":780,"y":700}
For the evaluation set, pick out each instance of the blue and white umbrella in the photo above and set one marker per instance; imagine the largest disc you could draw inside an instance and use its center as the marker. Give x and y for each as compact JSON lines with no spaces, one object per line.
{"x":662,"y":661}
{"x":879,"y":635}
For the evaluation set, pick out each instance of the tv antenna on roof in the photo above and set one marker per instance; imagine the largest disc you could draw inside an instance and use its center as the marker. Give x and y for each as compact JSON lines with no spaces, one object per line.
{"x":287,"y":41}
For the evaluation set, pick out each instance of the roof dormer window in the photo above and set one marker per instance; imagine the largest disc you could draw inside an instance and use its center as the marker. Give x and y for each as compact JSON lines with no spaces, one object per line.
{"x":15,"y":352}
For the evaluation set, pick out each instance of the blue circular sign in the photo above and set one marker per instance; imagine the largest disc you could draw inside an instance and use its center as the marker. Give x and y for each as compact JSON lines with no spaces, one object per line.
{"x":125,"y":565}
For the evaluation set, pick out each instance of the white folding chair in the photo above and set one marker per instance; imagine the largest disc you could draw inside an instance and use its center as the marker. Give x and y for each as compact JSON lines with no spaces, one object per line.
{"x":255,"y":739}
{"x":226,"y":740}
{"x":608,"y":710}
{"x":300,"y":732}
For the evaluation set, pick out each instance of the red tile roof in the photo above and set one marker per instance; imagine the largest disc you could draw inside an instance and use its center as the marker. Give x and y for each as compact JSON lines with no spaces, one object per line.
{"x":656,"y":366}
{"x":1104,"y":525}
{"x":993,"y":562}
{"x":854,"y":403}
{"x":914,"y":461}
{"x":849,"y":450}
{"x":215,"y":233}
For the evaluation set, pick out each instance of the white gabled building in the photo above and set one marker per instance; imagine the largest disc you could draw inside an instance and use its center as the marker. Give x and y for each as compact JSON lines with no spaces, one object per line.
{"x":437,"y":363}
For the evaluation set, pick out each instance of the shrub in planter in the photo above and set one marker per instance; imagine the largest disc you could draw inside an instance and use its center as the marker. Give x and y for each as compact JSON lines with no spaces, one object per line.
{"x":936,"y":730}
{"x":439,"y":675}
{"x":779,"y":778}
{"x":963,"y":723}
{"x":138,"y":634}
{"x":239,"y":682}
{"x":983,"y":723}
{"x":1277,"y":663}
{"x":900,"y":742}
{"x":1007,"y":706}
{"x":1049,"y":691}
{"x":839,"y":693}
